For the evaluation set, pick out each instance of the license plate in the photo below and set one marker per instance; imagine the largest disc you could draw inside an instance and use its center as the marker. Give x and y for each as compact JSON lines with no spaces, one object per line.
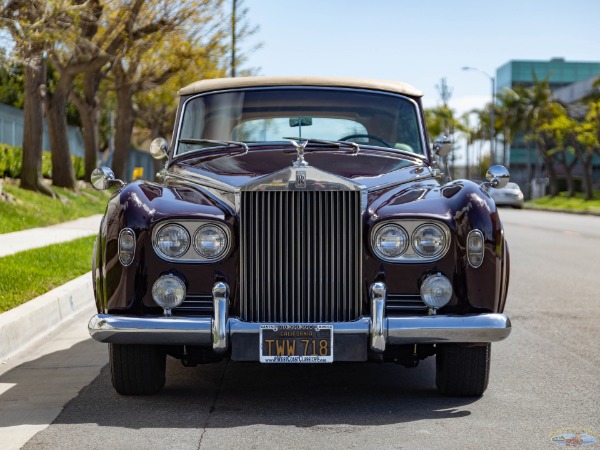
{"x":296,"y":343}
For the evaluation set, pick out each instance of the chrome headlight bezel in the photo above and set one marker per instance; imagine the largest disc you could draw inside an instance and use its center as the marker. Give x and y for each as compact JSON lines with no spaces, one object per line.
{"x":191,"y":255}
{"x":410,"y":255}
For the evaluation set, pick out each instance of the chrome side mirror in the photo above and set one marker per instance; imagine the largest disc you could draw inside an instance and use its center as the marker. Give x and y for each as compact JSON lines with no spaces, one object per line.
{"x":103,"y":177}
{"x":442,"y":146}
{"x":497,"y":176}
{"x":159,"y":148}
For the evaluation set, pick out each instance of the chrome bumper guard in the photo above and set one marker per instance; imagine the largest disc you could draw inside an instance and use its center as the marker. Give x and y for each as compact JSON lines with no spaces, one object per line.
{"x":216,"y":331}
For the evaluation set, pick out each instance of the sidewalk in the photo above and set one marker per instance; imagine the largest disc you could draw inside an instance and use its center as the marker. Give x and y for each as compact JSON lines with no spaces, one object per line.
{"x":11,"y":243}
{"x":40,"y":316}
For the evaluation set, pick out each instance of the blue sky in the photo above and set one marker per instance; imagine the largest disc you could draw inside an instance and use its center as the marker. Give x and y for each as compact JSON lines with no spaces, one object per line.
{"x":420,"y":42}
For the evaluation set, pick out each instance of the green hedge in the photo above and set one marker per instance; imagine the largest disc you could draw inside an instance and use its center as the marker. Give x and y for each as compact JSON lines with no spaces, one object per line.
{"x":11,"y":160}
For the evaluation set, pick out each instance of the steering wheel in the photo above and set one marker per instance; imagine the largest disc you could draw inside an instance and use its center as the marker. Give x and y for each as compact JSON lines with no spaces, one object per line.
{"x":368,"y":136}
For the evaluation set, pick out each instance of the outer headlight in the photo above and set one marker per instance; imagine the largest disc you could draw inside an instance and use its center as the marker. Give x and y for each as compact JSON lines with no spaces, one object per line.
{"x":172,"y":240}
{"x":429,"y":240}
{"x":210,"y":241}
{"x":390,"y":241}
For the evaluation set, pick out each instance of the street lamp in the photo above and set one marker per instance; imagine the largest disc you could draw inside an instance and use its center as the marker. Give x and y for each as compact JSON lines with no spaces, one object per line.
{"x":492,"y":130}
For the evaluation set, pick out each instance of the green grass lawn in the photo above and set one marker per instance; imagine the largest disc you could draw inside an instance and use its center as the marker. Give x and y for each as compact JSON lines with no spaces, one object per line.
{"x":28,"y":274}
{"x":562,"y":202}
{"x":32,"y":210}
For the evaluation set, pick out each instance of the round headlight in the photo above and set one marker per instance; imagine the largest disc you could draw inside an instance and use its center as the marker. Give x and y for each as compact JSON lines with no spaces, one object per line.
{"x":390,"y":241}
{"x":210,"y":241}
{"x":173,"y":240}
{"x":436,"y":291}
{"x":429,"y":241}
{"x":168,"y":291}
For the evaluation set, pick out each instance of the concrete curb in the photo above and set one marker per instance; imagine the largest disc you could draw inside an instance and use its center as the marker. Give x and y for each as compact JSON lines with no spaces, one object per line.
{"x":38,"y":317}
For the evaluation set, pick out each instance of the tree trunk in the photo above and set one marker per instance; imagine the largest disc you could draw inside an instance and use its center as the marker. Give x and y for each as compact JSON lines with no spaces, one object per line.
{"x":552,"y":178}
{"x":89,"y":112}
{"x":63,"y":174}
{"x":33,"y":116}
{"x":123,"y":130}
{"x":587,"y":178}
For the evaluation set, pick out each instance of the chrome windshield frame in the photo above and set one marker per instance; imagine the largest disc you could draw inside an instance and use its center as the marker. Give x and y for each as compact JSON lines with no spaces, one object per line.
{"x":417,"y":111}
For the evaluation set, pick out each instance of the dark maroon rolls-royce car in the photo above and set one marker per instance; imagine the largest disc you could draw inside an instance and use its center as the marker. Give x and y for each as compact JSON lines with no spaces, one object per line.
{"x":300,"y":220}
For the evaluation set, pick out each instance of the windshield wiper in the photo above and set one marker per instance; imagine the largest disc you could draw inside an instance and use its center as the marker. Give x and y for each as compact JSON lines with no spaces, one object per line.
{"x":354,"y":145}
{"x":215,"y":142}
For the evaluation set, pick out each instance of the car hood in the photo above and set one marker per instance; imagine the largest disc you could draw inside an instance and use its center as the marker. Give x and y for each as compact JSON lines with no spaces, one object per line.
{"x":370,"y":168}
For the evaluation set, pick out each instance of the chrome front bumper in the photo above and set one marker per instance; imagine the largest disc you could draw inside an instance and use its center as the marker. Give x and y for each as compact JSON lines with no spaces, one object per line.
{"x":218,"y":331}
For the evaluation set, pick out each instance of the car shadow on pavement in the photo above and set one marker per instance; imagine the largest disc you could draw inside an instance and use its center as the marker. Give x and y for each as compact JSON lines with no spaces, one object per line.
{"x":234,"y":394}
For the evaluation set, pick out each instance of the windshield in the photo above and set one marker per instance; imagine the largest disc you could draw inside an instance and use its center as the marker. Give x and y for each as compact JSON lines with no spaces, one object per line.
{"x":273,"y":114}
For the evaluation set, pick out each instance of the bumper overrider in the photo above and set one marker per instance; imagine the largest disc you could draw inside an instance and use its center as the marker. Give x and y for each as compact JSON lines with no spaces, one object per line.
{"x":373,"y":333}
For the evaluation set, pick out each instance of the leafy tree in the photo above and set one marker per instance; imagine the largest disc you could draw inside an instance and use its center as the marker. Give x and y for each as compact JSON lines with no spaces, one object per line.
{"x":34,"y":26}
{"x":152,"y":58}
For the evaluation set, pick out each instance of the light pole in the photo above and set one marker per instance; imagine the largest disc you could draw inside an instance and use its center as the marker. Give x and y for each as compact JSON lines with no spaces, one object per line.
{"x":492,"y":130}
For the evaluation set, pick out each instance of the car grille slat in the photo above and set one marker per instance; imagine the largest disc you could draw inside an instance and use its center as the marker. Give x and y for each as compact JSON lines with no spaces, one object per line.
{"x":300,"y":256}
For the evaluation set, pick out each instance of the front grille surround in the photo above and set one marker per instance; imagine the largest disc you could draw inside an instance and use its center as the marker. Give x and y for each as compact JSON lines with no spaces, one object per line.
{"x":300,"y":256}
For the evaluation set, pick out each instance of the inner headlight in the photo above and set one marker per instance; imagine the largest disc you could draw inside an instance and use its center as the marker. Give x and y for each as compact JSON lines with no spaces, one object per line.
{"x":210,"y":241}
{"x":173,"y":240}
{"x":429,"y":240}
{"x":390,"y":241}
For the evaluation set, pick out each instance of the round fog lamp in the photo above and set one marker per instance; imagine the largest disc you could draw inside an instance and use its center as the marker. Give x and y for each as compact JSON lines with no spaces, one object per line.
{"x":436,"y":291}
{"x":168,"y":291}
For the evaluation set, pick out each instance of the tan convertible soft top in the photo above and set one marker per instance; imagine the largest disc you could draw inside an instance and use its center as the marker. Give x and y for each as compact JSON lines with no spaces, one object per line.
{"x":216,"y":84}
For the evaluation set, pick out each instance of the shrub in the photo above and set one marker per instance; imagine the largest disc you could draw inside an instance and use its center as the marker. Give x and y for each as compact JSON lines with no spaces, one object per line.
{"x":11,"y":159}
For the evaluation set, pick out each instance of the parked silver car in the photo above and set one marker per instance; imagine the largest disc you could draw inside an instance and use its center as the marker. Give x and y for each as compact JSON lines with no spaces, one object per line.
{"x":509,"y":195}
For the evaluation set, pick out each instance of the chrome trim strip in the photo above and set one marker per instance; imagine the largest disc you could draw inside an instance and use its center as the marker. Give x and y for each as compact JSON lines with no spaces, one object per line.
{"x":156,"y":330}
{"x":360,"y":326}
{"x":377,"y":333}
{"x":220,"y":333}
{"x":473,"y":328}
{"x":176,"y":330}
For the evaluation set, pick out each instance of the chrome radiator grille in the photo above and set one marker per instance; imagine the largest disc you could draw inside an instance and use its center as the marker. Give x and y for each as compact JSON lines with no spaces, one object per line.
{"x":300,"y":256}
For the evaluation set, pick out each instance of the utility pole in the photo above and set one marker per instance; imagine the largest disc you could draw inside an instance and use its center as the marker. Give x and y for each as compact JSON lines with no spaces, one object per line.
{"x":233,"y":36}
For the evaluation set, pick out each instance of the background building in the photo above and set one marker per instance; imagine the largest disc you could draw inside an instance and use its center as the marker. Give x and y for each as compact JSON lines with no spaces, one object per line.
{"x":570,"y":82}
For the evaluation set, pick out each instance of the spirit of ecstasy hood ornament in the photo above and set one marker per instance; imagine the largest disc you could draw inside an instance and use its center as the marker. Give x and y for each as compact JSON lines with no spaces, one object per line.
{"x":300,"y":162}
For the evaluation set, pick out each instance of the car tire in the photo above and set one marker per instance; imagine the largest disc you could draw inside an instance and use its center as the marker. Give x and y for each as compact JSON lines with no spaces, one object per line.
{"x":137,"y":369}
{"x":462,"y":371}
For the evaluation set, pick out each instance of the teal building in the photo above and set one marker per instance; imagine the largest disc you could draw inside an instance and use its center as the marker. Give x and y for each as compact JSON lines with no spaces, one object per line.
{"x":523,"y":162}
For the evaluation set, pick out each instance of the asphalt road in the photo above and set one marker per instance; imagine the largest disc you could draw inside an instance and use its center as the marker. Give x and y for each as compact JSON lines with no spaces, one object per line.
{"x":545,"y":378}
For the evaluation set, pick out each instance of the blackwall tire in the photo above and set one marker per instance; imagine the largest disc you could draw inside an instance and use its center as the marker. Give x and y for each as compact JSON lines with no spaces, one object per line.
{"x":137,"y":369}
{"x":462,"y":371}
